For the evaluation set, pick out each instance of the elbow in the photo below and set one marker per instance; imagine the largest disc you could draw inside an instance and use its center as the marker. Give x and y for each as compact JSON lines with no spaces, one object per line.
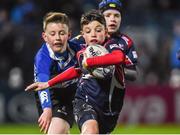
{"x":130,"y":75}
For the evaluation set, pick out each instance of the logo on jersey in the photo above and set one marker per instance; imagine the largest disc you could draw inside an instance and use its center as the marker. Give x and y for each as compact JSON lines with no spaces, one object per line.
{"x":62,"y":110}
{"x":120,"y":46}
{"x":43,"y":97}
{"x":134,"y":54}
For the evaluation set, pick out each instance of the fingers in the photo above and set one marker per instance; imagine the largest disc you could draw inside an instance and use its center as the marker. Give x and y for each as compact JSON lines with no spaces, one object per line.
{"x":84,"y":64}
{"x":37,"y":86}
{"x":46,"y":127}
{"x":43,"y":125}
{"x":85,"y":55}
{"x":42,"y":128}
{"x":44,"y":122}
{"x":32,"y":87}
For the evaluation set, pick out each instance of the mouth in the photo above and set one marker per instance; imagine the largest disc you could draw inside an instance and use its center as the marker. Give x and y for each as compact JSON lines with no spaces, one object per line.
{"x":112,"y":26}
{"x":58,"y":44}
{"x":94,"y":41}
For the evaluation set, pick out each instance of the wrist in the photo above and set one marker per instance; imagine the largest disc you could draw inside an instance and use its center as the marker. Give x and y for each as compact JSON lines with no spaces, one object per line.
{"x":48,"y":84}
{"x":47,"y":109}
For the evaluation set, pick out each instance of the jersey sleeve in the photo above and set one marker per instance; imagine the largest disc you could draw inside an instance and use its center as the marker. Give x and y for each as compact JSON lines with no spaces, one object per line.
{"x":131,"y":54}
{"x":131,"y":57}
{"x":42,"y":74}
{"x":113,"y":58}
{"x":116,"y":44}
{"x":68,"y":74}
{"x":124,"y":43}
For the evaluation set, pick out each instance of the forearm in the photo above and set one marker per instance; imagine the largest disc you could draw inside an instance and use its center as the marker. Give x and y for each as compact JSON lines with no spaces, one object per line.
{"x":45,"y":99}
{"x":130,"y":74}
{"x":69,"y":74}
{"x":116,"y":57}
{"x":44,"y":95}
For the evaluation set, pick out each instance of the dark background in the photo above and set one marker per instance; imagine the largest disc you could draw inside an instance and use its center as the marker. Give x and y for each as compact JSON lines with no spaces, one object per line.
{"x":154,"y":26}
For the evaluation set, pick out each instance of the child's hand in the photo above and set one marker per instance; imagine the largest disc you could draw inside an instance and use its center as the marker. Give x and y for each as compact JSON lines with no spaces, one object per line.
{"x":37,"y":86}
{"x":45,"y":120}
{"x":84,"y":63}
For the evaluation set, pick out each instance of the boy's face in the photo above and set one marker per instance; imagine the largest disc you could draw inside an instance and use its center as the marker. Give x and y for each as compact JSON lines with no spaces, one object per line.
{"x":94,"y":33}
{"x":56,"y":35}
{"x":113,"y":20}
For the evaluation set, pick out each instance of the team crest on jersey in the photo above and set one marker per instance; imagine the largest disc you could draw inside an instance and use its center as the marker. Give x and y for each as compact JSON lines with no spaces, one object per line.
{"x":117,"y":46}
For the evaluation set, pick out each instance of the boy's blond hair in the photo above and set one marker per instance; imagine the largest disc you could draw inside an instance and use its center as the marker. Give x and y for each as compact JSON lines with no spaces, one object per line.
{"x":55,"y":17}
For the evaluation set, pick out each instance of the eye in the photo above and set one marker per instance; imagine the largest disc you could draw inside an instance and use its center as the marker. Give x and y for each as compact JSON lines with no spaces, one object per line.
{"x":87,"y":30}
{"x":117,"y":15}
{"x":52,"y":33}
{"x":98,"y":29}
{"x":107,"y":15}
{"x":62,"y":32}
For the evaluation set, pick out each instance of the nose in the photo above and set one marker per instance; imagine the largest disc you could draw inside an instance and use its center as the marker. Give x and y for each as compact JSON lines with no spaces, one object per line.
{"x":58,"y":37}
{"x":112,"y":18}
{"x":93,"y":33}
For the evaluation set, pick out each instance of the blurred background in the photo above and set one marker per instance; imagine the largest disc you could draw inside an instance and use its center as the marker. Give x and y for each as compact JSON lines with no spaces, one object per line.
{"x":154,"y":26}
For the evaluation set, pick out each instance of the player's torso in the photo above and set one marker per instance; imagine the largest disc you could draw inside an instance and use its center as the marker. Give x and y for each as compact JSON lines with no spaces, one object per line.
{"x":52,"y":64}
{"x":107,"y":94}
{"x":55,"y":64}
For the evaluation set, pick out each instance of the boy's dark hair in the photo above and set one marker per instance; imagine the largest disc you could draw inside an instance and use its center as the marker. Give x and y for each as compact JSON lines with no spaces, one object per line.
{"x":92,"y":15}
{"x":55,"y":17}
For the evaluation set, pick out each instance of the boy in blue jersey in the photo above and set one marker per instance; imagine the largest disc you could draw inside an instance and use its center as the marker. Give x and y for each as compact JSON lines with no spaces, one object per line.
{"x":96,"y":105}
{"x":56,"y":55}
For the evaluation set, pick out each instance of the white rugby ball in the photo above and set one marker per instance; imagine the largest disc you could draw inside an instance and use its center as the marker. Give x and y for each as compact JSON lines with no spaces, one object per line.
{"x":98,"y":50}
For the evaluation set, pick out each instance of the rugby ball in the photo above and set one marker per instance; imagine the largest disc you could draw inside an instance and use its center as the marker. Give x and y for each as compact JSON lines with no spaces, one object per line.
{"x":98,"y":50}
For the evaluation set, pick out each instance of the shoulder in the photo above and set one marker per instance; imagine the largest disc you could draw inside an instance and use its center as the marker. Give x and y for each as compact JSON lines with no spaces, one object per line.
{"x":127,"y":40}
{"x":78,"y":39}
{"x":42,"y":55}
{"x":113,"y":43}
{"x":75,"y":46}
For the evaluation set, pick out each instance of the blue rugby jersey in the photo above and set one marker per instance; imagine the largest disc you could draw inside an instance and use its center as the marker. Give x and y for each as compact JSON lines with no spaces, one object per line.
{"x":48,"y":64}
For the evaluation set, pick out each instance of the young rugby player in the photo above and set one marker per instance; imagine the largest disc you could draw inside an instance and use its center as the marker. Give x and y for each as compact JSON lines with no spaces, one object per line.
{"x":56,"y":55}
{"x":112,"y":11}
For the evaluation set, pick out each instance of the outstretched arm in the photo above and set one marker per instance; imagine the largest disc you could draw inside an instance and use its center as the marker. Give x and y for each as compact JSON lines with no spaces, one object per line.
{"x":69,"y":74}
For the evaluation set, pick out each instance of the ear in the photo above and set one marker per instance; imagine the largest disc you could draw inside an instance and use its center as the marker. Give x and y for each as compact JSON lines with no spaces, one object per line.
{"x":69,"y":35}
{"x":106,"y":32}
{"x":44,"y":36}
{"x":82,"y":33}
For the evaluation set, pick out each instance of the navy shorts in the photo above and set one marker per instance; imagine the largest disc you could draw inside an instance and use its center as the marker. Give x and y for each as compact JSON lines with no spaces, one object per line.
{"x":61,"y":100}
{"x":84,"y":111}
